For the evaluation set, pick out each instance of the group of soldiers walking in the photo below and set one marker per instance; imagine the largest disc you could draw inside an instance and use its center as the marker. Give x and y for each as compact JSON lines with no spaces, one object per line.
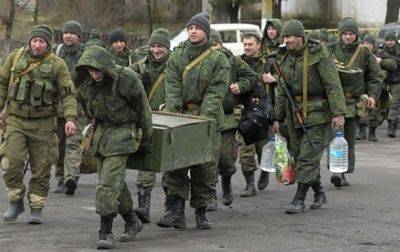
{"x":51,"y":96}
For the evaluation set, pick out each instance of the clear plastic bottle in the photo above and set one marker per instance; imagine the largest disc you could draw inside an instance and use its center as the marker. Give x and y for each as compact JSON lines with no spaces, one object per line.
{"x":267,"y":156}
{"x":338,"y":151}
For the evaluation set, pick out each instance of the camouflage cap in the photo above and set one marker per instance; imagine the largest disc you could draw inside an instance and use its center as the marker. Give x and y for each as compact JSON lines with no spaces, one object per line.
{"x":72,"y":27}
{"x":160,"y":36}
{"x":348,"y":24}
{"x":293,"y":28}
{"x":214,"y":34}
{"x":42,"y":31}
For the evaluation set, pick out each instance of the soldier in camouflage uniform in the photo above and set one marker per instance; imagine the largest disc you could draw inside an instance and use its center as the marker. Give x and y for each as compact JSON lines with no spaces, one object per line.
{"x":323,"y":36}
{"x":70,"y":152}
{"x":197,"y":91}
{"x":115,"y":98}
{"x":119,"y":50}
{"x":325,"y":106}
{"x":376,"y":116}
{"x":344,"y":50}
{"x":253,"y":57}
{"x":392,"y":48}
{"x":32,"y":82}
{"x":271,"y":36}
{"x":243,"y":81}
{"x":95,"y":38}
{"x":151,"y":69}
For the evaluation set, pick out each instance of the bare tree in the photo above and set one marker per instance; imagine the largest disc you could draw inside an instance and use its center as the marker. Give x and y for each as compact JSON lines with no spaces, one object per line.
{"x":230,"y":6}
{"x":149,"y":13}
{"x":36,"y":12}
{"x":9,"y":26}
{"x":392,"y":11}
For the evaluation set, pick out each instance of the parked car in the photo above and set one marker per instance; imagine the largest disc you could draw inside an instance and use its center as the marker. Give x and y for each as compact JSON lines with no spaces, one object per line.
{"x":231,"y":35}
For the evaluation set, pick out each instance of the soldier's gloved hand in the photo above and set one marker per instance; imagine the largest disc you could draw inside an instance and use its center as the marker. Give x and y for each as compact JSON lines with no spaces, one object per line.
{"x":70,"y":128}
{"x":145,"y":78}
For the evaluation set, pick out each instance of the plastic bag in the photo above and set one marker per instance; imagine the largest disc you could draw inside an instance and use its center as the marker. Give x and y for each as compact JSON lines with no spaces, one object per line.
{"x":285,"y":172}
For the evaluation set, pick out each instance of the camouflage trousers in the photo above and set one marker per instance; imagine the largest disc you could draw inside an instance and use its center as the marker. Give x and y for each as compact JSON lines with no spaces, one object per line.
{"x":228,"y":153}
{"x":394,"y":111}
{"x":36,"y":138}
{"x":112,"y":193}
{"x":145,"y":179}
{"x":70,"y":150}
{"x":247,"y":154}
{"x":307,"y":159}
{"x":202,"y":182}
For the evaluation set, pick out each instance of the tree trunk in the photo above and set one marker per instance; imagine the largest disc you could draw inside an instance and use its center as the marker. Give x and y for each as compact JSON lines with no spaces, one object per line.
{"x":36,"y":13}
{"x":9,"y":25}
{"x":276,"y":9}
{"x":148,"y":2}
{"x":233,"y":11}
{"x":392,"y":11}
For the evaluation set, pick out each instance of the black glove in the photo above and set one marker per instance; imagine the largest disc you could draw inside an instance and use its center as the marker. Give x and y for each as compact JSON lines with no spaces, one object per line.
{"x":146,"y":80}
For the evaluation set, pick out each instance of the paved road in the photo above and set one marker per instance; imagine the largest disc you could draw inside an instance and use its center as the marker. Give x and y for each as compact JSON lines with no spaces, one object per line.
{"x":362,"y":217}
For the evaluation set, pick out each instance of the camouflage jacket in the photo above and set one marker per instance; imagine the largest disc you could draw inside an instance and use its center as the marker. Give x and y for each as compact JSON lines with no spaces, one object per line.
{"x":246,"y":78}
{"x":325,"y":94}
{"x":96,"y":41}
{"x":118,"y":104}
{"x":141,"y":52}
{"x":71,"y":56}
{"x":153,"y":69}
{"x":203,"y":89}
{"x":393,"y":77}
{"x":125,"y":58}
{"x":39,"y":98}
{"x":371,"y":71}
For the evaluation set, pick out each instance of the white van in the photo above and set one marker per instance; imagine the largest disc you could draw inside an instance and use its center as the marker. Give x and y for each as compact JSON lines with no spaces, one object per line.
{"x":231,"y":35}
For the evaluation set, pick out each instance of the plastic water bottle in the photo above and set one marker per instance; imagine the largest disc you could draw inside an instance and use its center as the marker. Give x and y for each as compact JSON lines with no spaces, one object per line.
{"x":268,"y":153}
{"x":338,"y":149}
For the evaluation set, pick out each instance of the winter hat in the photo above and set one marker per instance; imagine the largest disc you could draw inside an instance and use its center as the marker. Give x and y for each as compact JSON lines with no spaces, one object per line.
{"x":215,"y":36}
{"x":72,"y":27}
{"x":201,"y":21}
{"x":117,"y":35}
{"x":252,"y":34}
{"x":95,"y":34}
{"x":160,"y":36}
{"x":348,"y":24}
{"x":323,"y":34}
{"x":293,"y":28}
{"x":390,"y":34}
{"x":42,"y":31}
{"x":370,"y":39}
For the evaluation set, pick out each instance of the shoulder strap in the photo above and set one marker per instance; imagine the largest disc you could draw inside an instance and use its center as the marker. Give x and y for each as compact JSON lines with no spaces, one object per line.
{"x":305,"y":79}
{"x":58,"y":49}
{"x":353,"y":58}
{"x":142,"y":65}
{"x":195,"y":62}
{"x":129,"y":60}
{"x":15,"y":61}
{"x":156,"y":85}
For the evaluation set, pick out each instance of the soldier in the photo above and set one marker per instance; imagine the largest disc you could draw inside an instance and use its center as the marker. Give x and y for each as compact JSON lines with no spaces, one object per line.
{"x":119,"y":50}
{"x":323,"y":36}
{"x":271,"y":36}
{"x":95,"y":38}
{"x":348,"y":50}
{"x":325,"y":106}
{"x":114,"y":97}
{"x":151,"y":69}
{"x":70,"y":153}
{"x":32,"y":82}
{"x":195,"y":83}
{"x":376,"y":116}
{"x":392,"y":48}
{"x":253,"y":57}
{"x":243,"y":80}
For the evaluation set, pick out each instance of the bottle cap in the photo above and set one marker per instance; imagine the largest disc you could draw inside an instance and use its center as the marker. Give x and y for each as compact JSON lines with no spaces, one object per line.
{"x":339,"y":133}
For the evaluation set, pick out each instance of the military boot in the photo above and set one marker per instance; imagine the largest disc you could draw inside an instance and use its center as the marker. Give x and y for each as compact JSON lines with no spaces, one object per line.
{"x":362,"y":132}
{"x":297,"y":205}
{"x":263,"y":180}
{"x":371,"y":134}
{"x":36,"y":216}
{"x":70,"y":186}
{"x":250,"y":189}
{"x":60,"y":188}
{"x":392,"y":128}
{"x":143,"y":210}
{"x":175,"y":214}
{"x":106,"y":238}
{"x":201,"y":218}
{"x":319,"y":196}
{"x":345,"y":182}
{"x":227,"y":196}
{"x":15,"y":209}
{"x":336,"y":180}
{"x":132,"y":226}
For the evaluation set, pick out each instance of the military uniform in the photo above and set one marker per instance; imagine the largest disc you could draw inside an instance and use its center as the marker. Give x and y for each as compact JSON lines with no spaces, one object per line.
{"x":70,"y":152}
{"x":125,"y":58}
{"x":122,"y":115}
{"x":152,"y":75}
{"x":370,"y":85}
{"x":32,"y":98}
{"x":269,"y":45}
{"x":199,"y":91}
{"x":325,"y":100}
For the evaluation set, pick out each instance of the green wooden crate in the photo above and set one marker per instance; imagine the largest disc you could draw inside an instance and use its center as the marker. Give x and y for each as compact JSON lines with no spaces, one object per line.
{"x":178,"y":141}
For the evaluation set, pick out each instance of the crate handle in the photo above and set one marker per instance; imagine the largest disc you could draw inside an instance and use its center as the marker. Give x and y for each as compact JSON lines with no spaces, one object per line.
{"x":171,"y":135}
